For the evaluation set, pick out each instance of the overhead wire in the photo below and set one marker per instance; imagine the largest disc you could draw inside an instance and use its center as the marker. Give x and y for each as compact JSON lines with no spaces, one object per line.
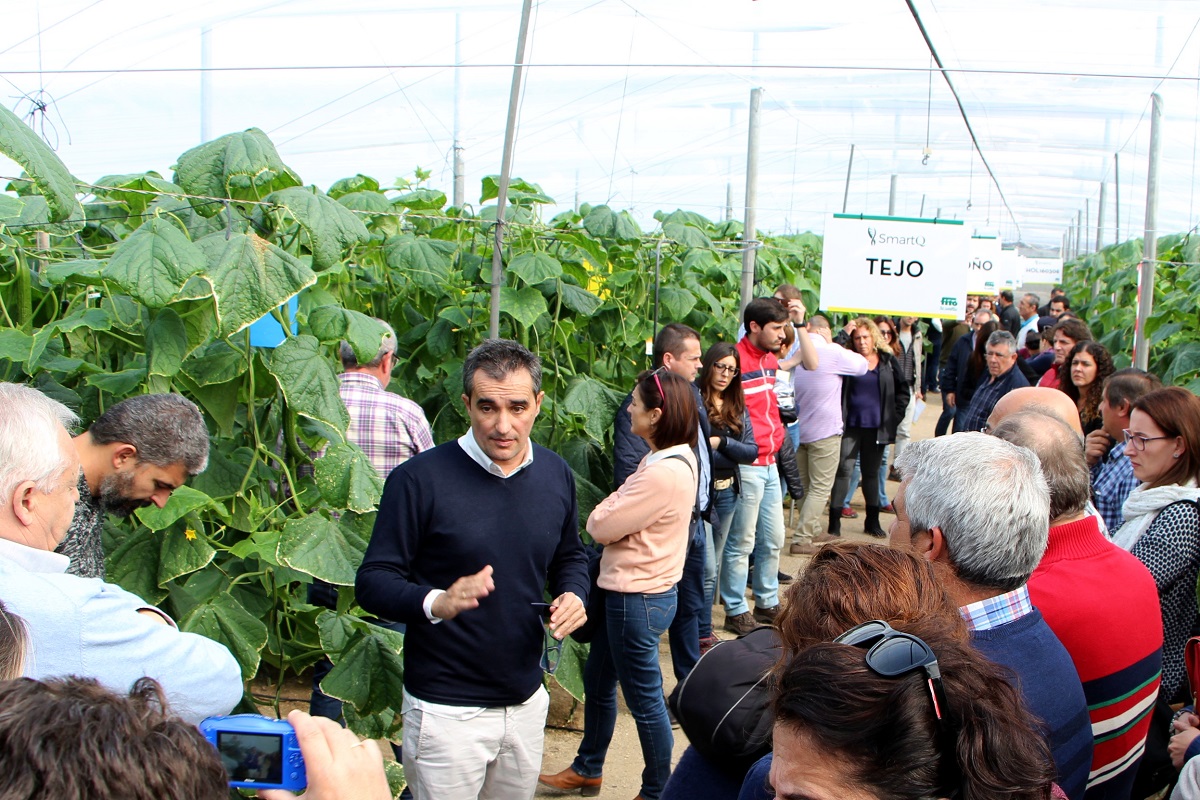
{"x":963,"y":112}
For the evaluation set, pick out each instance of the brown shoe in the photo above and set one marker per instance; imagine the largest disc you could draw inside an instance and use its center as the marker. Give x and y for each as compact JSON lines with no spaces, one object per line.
{"x":569,"y":780}
{"x":766,"y":615}
{"x":822,"y":538}
{"x":741,"y":624}
{"x":802,"y":549}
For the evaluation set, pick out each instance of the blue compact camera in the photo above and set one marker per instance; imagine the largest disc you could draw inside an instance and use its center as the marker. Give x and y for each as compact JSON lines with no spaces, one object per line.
{"x":258,"y":752}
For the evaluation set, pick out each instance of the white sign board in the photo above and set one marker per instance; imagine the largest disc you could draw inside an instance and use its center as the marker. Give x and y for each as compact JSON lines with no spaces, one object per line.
{"x":1042,"y":270}
{"x":893,"y":265}
{"x":1013,"y":272}
{"x":985,"y":268}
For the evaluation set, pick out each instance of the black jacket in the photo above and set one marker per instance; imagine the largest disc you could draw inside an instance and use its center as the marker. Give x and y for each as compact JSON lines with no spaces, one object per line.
{"x":1010,"y":319}
{"x":734,"y":450}
{"x":893,"y":397}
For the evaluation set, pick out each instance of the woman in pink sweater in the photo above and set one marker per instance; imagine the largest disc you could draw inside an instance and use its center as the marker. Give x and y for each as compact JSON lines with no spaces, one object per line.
{"x":644,"y":528}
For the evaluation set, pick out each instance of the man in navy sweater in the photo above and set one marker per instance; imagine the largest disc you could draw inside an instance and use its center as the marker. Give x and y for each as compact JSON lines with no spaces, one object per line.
{"x":468,"y":536}
{"x":978,"y":507}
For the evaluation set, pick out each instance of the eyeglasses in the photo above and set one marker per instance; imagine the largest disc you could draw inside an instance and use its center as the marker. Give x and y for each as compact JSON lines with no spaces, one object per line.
{"x":551,"y":647}
{"x":725,"y":369}
{"x":893,"y":653}
{"x":1139,"y":442}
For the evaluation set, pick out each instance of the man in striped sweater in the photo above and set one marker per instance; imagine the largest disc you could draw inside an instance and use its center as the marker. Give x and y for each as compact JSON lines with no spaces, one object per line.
{"x":1100,"y":601}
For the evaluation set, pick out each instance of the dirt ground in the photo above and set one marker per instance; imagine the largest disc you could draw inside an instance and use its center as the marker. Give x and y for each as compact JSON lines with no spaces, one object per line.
{"x":623,"y":768}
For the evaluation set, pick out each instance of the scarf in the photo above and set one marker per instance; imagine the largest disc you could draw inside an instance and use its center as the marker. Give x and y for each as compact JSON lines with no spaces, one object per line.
{"x":1143,"y":506}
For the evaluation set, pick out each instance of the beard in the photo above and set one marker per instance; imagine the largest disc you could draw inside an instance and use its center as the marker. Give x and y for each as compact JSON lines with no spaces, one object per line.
{"x":114,"y":495}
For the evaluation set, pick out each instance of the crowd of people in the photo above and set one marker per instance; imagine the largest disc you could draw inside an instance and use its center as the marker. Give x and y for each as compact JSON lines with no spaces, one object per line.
{"x":1021,"y":632}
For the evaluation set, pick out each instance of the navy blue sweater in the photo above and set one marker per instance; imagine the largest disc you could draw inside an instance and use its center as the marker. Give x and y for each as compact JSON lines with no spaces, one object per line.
{"x":1047,"y":680}
{"x":443,"y":516}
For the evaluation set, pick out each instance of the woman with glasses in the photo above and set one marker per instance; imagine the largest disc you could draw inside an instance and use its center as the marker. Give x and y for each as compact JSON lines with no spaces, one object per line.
{"x":872,"y":407}
{"x":1082,"y":377}
{"x":644,"y":527}
{"x":1162,"y":520}
{"x":879,"y":693}
{"x":732,"y":444}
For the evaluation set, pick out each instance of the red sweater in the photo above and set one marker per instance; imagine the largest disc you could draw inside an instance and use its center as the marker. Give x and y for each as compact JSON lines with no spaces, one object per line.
{"x":758,"y":382}
{"x":1102,"y":604}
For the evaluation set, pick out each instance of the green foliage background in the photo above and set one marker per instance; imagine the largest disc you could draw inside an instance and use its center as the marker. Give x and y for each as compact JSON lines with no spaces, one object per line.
{"x":136,"y":283}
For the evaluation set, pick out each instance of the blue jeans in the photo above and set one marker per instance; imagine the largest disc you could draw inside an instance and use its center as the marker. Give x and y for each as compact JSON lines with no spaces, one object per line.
{"x":757,"y":527}
{"x":625,"y":650}
{"x":724,"y":503}
{"x":944,"y":421}
{"x":691,"y":620}
{"x":856,"y":478}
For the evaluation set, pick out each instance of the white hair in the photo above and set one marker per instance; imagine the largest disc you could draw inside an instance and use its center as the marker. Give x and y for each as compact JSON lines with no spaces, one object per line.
{"x":988,"y":497}
{"x":29,"y":428}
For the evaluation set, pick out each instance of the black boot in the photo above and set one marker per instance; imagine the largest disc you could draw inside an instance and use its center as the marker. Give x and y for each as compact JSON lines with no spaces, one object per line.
{"x":835,"y":519}
{"x":871,"y":526}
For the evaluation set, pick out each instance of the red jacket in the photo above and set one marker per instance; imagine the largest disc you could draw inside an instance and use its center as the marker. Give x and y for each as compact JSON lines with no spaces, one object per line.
{"x":758,"y":382}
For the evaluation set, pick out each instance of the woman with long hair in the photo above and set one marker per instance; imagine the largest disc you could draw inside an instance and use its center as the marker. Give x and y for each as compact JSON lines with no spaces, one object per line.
{"x":732,"y":443}
{"x":1082,"y":376}
{"x":1162,"y":520}
{"x":1064,"y":336}
{"x":944,"y":723}
{"x":872,"y":407}
{"x":644,"y":527}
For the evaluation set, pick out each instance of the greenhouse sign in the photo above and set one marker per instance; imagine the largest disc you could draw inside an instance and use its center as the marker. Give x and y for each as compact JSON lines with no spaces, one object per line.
{"x":985,"y":267}
{"x":894,"y":265}
{"x":1042,"y":270}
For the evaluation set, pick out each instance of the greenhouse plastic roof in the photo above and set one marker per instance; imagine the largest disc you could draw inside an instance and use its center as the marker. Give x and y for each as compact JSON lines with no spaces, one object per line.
{"x":643,"y":104}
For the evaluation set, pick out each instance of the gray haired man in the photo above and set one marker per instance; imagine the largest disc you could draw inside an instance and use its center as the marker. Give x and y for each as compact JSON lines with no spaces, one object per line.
{"x":134,"y":454}
{"x":1003,"y":376}
{"x":979,"y":509}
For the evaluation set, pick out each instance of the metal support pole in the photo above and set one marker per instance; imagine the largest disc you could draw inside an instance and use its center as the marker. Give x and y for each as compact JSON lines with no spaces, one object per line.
{"x":1087,"y":221}
{"x":849,"y":169}
{"x":510,"y":133}
{"x":1141,"y":351}
{"x":921,"y":213}
{"x":892,"y":198}
{"x":1078,"y":233}
{"x":460,"y":179}
{"x":1100,"y":217}
{"x":749,"y":235}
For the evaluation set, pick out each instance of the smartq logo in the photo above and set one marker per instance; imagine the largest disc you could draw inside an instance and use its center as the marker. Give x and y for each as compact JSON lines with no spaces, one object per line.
{"x":878,"y":238}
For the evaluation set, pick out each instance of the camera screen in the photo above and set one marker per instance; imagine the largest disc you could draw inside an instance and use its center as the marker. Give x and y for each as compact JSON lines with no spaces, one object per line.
{"x":252,"y":757}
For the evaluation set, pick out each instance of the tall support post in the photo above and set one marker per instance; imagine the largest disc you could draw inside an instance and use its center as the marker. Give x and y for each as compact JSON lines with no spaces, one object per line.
{"x":460,"y":178}
{"x":1117,"y":193}
{"x":510,"y":133}
{"x":1087,"y":221}
{"x":849,"y":169}
{"x":749,"y":235}
{"x":728,"y":200}
{"x":205,"y":84}
{"x":1078,"y":234}
{"x":892,"y":198}
{"x":1100,"y":216}
{"x":921,"y":213}
{"x":1141,"y":350}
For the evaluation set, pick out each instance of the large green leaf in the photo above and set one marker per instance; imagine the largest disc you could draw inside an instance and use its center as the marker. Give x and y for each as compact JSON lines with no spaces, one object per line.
{"x":595,"y":402}
{"x":333,"y":324}
{"x":133,"y":565}
{"x":308,"y":381}
{"x":183,"y":501}
{"x":676,"y":303}
{"x":524,"y":305}
{"x":239,"y":166}
{"x":227,"y":621}
{"x":358,"y":183}
{"x":578,"y":299}
{"x":154,"y":262}
{"x":182,"y":553}
{"x":323,"y":548}
{"x":86,"y":270}
{"x":687,"y":235}
{"x":535,"y":268}
{"x":421,"y":200}
{"x":251,"y":277}
{"x":43,"y":166}
{"x":347,"y":479}
{"x":93,"y":319}
{"x":332,"y":229}
{"x":136,"y":191}
{"x":118,"y":383}
{"x":519,"y":191}
{"x":37,"y":215}
{"x":605,"y":223}
{"x":425,"y":261}
{"x":367,"y":655}
{"x":166,"y":343}
{"x":215,"y":363}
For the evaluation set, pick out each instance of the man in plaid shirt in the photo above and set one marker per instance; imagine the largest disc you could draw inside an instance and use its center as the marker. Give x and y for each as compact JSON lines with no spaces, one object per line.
{"x":1112,"y":474}
{"x":389,"y":429}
